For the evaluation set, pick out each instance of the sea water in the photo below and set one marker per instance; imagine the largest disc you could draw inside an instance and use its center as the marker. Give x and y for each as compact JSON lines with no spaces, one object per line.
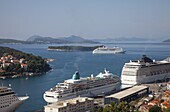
{"x":66,"y":63}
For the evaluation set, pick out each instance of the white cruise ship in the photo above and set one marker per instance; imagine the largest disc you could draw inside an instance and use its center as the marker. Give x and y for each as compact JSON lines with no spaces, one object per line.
{"x":91,"y":86}
{"x":145,"y":70}
{"x":106,"y":50}
{"x":9,"y":101}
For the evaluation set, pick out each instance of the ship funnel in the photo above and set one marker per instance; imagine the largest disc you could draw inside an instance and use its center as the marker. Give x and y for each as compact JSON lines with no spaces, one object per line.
{"x":76,"y":76}
{"x":92,"y":76}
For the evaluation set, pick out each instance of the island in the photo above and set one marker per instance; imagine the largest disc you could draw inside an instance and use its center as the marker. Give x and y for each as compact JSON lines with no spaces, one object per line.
{"x":15,"y":63}
{"x":73,"y":48}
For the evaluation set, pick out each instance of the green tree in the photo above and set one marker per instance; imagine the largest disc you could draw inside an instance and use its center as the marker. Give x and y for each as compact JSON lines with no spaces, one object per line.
{"x":108,"y":108}
{"x":121,"y":107}
{"x":155,"y":108}
{"x":100,"y":109}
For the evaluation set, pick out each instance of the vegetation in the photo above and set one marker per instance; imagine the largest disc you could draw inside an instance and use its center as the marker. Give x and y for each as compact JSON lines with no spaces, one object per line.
{"x":155,"y":108}
{"x":73,"y":48}
{"x":2,"y":41}
{"x":114,"y":107}
{"x":35,"y":64}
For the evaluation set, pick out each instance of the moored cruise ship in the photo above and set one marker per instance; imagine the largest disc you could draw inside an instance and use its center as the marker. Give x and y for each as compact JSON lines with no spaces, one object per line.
{"x":106,"y":50}
{"x":145,"y":70}
{"x":91,"y":86}
{"x":9,"y":101}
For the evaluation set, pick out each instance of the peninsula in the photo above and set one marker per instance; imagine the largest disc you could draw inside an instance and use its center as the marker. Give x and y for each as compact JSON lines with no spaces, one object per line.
{"x":15,"y":63}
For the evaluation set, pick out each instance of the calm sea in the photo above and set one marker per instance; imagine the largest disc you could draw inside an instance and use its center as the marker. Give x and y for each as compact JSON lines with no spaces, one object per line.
{"x":66,"y":63}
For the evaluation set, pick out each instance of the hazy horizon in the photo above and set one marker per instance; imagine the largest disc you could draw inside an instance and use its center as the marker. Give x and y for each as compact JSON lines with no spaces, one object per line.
{"x":90,"y":19}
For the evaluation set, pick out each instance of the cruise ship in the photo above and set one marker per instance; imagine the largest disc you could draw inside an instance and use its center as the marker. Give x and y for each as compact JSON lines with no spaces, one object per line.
{"x":145,"y":70}
{"x":106,"y":50}
{"x":103,"y":83}
{"x":9,"y":101}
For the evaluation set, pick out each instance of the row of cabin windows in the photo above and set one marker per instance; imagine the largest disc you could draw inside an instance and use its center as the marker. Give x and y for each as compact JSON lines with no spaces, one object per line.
{"x":4,"y":106}
{"x":5,"y":98}
{"x":159,"y":72}
{"x":4,"y":101}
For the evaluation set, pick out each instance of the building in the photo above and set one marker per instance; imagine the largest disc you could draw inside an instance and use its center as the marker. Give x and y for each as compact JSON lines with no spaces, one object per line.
{"x":79,"y":104}
{"x":165,"y":105}
{"x":145,"y":108}
{"x":154,"y":102}
{"x":128,"y":94}
{"x":166,"y":95}
{"x":168,"y":86}
{"x":25,"y":66}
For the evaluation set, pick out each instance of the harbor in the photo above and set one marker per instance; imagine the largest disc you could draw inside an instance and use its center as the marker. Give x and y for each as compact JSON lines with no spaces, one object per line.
{"x":64,"y":68}
{"x":141,"y":97}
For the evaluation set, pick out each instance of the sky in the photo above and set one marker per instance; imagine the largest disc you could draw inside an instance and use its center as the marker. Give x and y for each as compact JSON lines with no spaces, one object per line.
{"x":20,"y":19}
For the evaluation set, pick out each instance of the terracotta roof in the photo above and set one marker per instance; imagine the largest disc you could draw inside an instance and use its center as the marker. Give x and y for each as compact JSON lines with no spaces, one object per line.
{"x":154,"y":102}
{"x":166,"y":104}
{"x":22,"y":64}
{"x":2,"y":70}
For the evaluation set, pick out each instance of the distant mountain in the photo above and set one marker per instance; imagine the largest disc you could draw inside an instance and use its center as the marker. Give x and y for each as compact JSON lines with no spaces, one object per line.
{"x":45,"y":40}
{"x":76,"y":39}
{"x":131,"y":39}
{"x":123,"y":39}
{"x":168,"y":40}
{"x":49,"y":40}
{"x":6,"y":41}
{"x":32,"y":38}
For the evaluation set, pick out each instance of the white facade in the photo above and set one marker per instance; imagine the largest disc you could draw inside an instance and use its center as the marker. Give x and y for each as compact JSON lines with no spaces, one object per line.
{"x":138,"y":72}
{"x":79,"y":104}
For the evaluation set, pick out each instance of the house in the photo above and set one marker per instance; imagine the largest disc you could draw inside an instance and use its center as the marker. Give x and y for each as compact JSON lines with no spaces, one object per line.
{"x":168,"y":86}
{"x":154,"y":102}
{"x":165,"y":105}
{"x":25,"y":66}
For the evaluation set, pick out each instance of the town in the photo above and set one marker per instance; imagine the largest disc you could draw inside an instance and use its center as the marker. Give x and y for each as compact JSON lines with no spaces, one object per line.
{"x":14,"y":63}
{"x":8,"y":61}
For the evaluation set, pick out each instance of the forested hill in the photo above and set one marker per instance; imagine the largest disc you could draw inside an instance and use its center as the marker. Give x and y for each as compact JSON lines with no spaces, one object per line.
{"x":6,"y":41}
{"x":168,"y":40}
{"x":14,"y":62}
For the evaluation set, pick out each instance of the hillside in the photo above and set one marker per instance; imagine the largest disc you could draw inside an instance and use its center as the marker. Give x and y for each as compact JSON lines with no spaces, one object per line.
{"x":14,"y":62}
{"x":168,"y":40}
{"x":6,"y":41}
{"x":61,"y":40}
{"x":123,"y":39}
{"x":36,"y":39}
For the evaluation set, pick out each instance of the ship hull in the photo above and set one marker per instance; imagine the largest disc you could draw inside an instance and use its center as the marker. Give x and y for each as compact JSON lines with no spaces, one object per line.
{"x":108,"y":52}
{"x":12,"y":107}
{"x":93,"y":92}
{"x":143,"y":79}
